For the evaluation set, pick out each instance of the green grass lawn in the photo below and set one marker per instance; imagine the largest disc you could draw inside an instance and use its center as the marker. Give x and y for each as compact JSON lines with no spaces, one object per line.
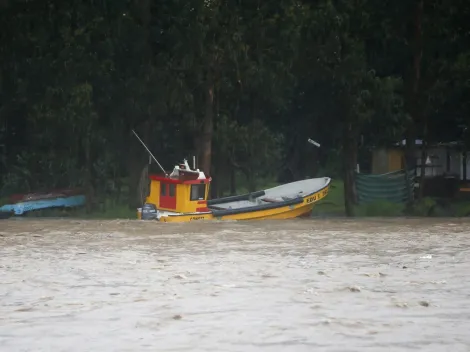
{"x":330,"y":206}
{"x":333,"y":203}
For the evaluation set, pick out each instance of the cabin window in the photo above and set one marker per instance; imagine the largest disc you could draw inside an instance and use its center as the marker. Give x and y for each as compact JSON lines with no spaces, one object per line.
{"x":198,"y":192}
{"x":163,"y":189}
{"x":172,"y":190}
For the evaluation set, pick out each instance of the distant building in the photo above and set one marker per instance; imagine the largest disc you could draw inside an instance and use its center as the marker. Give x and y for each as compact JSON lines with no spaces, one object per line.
{"x":447,"y":168}
{"x":443,"y":159}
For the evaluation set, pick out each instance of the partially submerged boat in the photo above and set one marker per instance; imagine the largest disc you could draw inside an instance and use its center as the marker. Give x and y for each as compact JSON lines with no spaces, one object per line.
{"x":19,"y":204}
{"x":182,"y":197}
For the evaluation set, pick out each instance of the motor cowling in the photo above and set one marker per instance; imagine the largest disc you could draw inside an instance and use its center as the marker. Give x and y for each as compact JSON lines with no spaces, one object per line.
{"x":149,"y":212}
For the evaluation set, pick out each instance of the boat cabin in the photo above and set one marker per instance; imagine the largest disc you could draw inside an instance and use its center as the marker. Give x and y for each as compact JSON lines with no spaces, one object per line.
{"x":183,"y":191}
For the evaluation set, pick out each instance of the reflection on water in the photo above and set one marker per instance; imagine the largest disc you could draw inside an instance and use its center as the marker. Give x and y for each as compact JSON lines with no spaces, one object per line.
{"x":341,"y":285}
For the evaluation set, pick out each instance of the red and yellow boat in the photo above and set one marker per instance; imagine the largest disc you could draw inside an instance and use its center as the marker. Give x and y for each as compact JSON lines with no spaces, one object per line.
{"x":182,"y":196}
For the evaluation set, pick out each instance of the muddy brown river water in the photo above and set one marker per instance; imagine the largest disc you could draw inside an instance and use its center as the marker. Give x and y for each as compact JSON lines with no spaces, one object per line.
{"x":303,"y":285}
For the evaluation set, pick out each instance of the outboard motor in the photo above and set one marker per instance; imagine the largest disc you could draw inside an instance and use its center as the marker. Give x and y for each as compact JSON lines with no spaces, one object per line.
{"x":149,"y":212}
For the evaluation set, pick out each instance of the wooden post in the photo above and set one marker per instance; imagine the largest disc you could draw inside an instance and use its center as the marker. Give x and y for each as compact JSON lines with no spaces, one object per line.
{"x":409,"y":182}
{"x":447,"y":160}
{"x":464,"y":166}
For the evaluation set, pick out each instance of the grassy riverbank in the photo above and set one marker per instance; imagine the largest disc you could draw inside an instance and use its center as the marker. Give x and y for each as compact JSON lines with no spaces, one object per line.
{"x":331,"y":206}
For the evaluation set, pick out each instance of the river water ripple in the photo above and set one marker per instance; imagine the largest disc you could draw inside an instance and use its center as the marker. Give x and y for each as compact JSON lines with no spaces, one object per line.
{"x":303,"y":285}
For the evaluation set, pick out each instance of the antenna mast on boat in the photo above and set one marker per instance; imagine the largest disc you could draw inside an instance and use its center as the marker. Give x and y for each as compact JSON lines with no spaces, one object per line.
{"x":140,"y":140}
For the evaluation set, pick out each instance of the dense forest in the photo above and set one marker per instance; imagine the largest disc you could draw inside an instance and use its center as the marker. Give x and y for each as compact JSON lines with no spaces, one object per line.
{"x":240,"y":84}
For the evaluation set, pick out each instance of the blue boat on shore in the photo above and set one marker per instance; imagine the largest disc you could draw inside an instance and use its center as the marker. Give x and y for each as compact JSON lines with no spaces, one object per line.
{"x":20,"y":204}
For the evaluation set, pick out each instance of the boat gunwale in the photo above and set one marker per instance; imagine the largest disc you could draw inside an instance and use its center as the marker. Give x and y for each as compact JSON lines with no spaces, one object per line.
{"x":268,"y":206}
{"x":280,"y":204}
{"x":255,"y":194}
{"x":235,"y":198}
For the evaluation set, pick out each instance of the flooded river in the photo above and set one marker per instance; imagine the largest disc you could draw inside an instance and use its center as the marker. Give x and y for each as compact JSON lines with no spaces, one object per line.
{"x":303,"y":285}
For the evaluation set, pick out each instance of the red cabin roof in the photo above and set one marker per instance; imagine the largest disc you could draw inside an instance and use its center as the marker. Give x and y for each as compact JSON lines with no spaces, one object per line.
{"x":180,"y":180}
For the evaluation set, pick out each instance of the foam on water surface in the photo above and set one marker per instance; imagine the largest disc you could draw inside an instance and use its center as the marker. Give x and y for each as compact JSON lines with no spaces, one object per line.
{"x":246,"y":286}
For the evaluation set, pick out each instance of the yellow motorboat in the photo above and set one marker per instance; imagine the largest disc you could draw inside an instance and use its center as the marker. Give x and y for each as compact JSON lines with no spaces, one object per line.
{"x":182,"y":197}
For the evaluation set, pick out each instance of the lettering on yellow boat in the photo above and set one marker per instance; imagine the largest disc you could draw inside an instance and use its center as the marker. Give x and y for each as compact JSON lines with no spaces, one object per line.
{"x":196,"y":218}
{"x":311,"y":199}
{"x":317,"y":196}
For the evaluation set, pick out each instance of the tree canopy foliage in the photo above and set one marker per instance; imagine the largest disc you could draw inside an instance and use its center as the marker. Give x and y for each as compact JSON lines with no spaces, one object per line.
{"x":240,"y":84}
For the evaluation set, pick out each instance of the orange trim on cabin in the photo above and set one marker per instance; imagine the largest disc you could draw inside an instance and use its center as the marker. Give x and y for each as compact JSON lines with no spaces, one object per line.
{"x":178,"y":181}
{"x":202,"y":202}
{"x":204,"y":209}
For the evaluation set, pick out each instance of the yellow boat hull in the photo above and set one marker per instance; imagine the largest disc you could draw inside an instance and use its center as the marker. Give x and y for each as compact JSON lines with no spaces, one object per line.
{"x":278,"y":213}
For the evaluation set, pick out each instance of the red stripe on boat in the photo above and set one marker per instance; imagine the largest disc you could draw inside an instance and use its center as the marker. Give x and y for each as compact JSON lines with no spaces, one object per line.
{"x":177,"y":181}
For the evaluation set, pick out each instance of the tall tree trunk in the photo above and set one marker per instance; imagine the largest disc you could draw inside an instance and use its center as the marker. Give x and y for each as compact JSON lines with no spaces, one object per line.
{"x":137,"y":158}
{"x":135,"y":166}
{"x":417,"y":58}
{"x":293,"y":160}
{"x":464,"y":166}
{"x":215,"y":184}
{"x":90,"y":195}
{"x":251,"y":181}
{"x":144,"y":14}
{"x":137,"y":155}
{"x":414,"y":106}
{"x":207,"y":128}
{"x":233,"y":181}
{"x":423,"y":163}
{"x":349,"y":163}
{"x":143,"y":10}
{"x":417,"y":53}
{"x":315,"y":164}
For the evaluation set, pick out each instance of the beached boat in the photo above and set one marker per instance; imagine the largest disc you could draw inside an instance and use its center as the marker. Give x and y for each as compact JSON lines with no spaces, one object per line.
{"x":22,"y":203}
{"x":182,"y":197}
